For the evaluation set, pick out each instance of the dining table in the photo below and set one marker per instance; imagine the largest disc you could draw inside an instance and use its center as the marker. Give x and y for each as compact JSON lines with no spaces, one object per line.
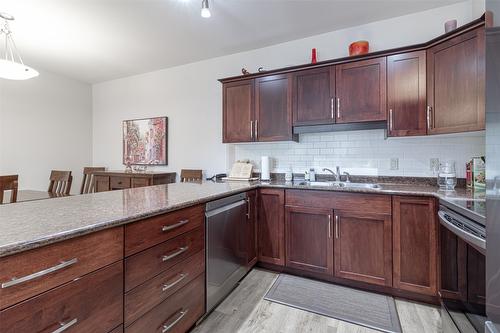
{"x":31,"y":195}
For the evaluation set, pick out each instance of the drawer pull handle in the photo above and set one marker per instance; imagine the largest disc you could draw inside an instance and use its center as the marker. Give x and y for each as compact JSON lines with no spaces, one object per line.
{"x":167,"y":328}
{"x":65,"y":326}
{"x":16,"y":281}
{"x":170,"y":285}
{"x":173,"y":226}
{"x":175,"y":254}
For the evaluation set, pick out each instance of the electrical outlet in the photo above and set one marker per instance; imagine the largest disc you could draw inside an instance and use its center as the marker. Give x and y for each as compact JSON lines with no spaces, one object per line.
{"x":394,"y":163}
{"x":434,"y":164}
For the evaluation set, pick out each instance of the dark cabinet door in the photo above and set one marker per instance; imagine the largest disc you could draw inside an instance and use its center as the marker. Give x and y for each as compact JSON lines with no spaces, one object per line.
{"x":415,"y":244}
{"x":363,"y":247}
{"x":453,"y":265}
{"x":313,"y":96}
{"x":238,"y":111}
{"x":361,"y":91}
{"x":273,"y":108}
{"x":476,"y":276}
{"x":455,"y":83}
{"x":406,"y":94}
{"x":309,"y":242}
{"x":271,"y":226}
{"x":250,"y":236}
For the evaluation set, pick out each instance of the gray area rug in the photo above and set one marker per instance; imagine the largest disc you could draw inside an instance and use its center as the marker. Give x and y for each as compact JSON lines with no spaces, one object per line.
{"x":355,"y":306}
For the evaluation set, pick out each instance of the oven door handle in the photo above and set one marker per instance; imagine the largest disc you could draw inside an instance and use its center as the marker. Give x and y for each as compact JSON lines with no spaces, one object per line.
{"x":474,"y":240}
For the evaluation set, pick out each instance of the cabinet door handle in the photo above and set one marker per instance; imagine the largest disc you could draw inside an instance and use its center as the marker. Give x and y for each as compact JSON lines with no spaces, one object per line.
{"x":249,"y":211}
{"x":167,"y":286}
{"x":391,"y":120}
{"x":256,"y":129}
{"x":173,"y":226}
{"x":168,"y":327}
{"x":338,"y":107}
{"x":65,"y":326}
{"x":332,"y":108}
{"x":16,"y":281}
{"x":329,"y":226}
{"x":251,"y":129}
{"x":337,"y":226}
{"x":175,"y":254}
{"x":429,"y":117}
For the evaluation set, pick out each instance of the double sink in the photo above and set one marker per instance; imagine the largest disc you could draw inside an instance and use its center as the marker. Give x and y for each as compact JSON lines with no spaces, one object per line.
{"x":341,"y":184}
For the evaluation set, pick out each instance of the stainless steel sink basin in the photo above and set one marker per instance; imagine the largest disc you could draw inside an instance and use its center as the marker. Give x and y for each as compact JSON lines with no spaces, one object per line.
{"x":341,"y":184}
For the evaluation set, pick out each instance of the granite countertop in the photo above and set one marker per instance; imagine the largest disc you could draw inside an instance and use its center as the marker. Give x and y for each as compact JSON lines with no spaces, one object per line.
{"x":28,"y":225}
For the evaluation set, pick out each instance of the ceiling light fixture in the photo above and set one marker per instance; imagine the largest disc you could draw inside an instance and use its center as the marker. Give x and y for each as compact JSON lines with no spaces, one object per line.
{"x":11,"y":63}
{"x":205,"y":11}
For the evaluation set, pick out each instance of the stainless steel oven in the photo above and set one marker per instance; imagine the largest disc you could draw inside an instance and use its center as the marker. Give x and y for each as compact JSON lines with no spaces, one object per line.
{"x":463,"y":274}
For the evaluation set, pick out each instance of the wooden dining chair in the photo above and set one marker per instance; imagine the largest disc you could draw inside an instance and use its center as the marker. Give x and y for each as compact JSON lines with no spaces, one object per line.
{"x":9,"y":183}
{"x":88,"y":179}
{"x":60,"y":182}
{"x":191,"y":175}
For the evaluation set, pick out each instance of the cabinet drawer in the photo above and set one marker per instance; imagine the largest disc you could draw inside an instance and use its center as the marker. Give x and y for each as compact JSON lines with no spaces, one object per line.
{"x":177,"y":313}
{"x":147,"y":264}
{"x":118,"y":182}
{"x":101,"y":183}
{"x":368,"y":203}
{"x":146,"y":233}
{"x":39,"y":270}
{"x":141,"y":299}
{"x":92,"y":304}
{"x":140,"y":182}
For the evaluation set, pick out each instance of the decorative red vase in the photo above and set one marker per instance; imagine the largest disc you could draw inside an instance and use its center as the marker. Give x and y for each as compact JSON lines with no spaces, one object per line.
{"x":313,"y":56}
{"x":359,"y":47}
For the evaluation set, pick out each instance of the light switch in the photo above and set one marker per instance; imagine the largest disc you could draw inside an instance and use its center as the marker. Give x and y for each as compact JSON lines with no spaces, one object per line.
{"x":394,"y":163}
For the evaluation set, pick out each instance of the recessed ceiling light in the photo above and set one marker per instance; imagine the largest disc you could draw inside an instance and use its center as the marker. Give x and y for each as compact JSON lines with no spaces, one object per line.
{"x":205,"y":11}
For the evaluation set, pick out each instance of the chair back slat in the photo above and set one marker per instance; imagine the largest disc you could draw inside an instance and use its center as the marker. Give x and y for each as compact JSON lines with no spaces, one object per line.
{"x":9,"y":183}
{"x":191,"y":175}
{"x":88,"y":179}
{"x":60,"y":182}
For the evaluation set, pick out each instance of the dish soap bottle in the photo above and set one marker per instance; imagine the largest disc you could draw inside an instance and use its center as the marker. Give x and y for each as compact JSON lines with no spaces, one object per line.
{"x":312,"y":175}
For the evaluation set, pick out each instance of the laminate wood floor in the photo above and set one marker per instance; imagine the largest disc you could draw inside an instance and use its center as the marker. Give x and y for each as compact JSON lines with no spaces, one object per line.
{"x":245,"y":310}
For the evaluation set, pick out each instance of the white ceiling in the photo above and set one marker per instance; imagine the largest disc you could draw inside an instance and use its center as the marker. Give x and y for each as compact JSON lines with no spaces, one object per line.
{"x":99,"y":40}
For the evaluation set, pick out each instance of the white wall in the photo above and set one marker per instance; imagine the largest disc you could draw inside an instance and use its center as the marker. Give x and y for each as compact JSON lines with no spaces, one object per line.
{"x":45,"y":124}
{"x":191,"y":96}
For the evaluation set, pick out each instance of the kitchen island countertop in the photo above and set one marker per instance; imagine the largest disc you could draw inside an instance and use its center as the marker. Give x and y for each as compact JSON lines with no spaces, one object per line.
{"x":29,"y":225}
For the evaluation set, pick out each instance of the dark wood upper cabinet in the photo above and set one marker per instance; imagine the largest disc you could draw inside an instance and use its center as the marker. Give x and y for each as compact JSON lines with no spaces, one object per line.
{"x":313,"y":96}
{"x":361,"y":91}
{"x":363,"y":247}
{"x":309,"y":240}
{"x":406,"y":94}
{"x":238,"y":111}
{"x":455,"y":84}
{"x":271,"y":226}
{"x":273,"y":108}
{"x":415,"y":244}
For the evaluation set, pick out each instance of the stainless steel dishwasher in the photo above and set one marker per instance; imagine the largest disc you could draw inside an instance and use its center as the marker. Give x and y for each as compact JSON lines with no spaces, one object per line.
{"x":226,"y":257}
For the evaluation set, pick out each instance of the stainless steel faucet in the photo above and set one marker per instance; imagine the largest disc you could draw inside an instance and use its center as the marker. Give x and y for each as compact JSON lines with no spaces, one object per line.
{"x":336,"y":174}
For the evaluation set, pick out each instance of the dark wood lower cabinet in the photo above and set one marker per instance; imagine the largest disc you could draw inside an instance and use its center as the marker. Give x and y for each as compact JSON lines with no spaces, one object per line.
{"x":363,"y":247}
{"x":309,"y":240}
{"x":415,"y":243}
{"x":476,"y":276}
{"x":271,"y":226}
{"x":91,"y":304}
{"x":176,"y":314}
{"x":453,"y":265}
{"x":250,"y":237}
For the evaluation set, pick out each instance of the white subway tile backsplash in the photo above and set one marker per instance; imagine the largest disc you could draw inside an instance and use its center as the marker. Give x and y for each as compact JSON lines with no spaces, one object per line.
{"x":366,"y":152}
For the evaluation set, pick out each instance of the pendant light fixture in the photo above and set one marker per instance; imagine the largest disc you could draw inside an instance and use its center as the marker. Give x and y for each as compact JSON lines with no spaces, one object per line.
{"x":11,"y":63}
{"x":205,"y":10}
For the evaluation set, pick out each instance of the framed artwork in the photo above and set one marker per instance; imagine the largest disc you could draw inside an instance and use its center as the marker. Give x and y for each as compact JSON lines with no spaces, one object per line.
{"x":145,"y":141}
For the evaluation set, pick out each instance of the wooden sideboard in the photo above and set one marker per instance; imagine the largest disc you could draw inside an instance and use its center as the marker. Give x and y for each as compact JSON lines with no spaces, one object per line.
{"x":119,"y":180}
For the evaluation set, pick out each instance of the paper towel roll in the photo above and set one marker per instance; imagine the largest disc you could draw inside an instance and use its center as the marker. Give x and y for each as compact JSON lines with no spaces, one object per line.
{"x":264,"y":168}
